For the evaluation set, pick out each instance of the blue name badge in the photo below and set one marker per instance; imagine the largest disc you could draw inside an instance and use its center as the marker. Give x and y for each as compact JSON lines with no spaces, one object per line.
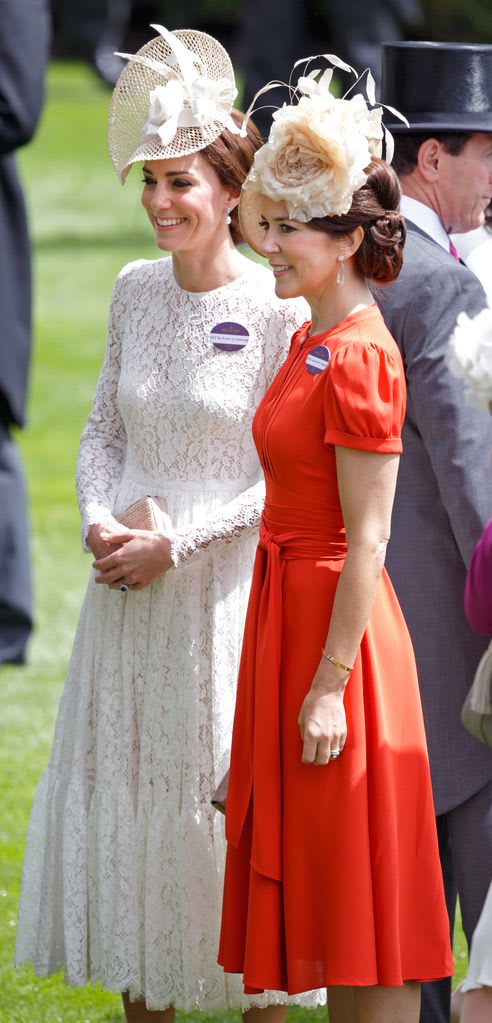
{"x":229,"y":337}
{"x":318,"y":359}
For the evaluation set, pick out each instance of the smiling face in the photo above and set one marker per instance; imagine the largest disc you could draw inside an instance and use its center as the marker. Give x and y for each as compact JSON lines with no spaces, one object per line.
{"x":304,"y":261}
{"x":185,"y":203}
{"x":464,"y":187}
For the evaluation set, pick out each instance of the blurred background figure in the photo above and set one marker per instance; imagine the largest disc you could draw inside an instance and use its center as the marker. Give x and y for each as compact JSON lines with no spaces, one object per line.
{"x":261,"y":42}
{"x":476,"y":1005}
{"x":94,"y":29}
{"x":24,"y":43}
{"x":472,"y":1001}
{"x":354,"y":30}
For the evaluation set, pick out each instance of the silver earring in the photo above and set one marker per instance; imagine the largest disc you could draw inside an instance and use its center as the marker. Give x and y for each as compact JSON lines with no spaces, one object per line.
{"x":228,"y":218}
{"x":341,"y":270}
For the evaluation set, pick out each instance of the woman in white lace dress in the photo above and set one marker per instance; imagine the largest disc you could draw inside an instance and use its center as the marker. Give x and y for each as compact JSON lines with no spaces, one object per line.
{"x":122,"y":876}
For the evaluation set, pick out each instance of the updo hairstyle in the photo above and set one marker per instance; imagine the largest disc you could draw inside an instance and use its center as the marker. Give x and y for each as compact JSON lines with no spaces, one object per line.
{"x":375,"y":207}
{"x":231,"y":157}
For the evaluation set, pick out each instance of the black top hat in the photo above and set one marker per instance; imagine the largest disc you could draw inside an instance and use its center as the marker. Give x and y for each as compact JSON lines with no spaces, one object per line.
{"x":438,"y":86}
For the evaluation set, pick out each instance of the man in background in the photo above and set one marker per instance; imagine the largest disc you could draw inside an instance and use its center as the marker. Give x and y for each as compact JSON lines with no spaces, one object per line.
{"x":24,"y":40}
{"x":444,"y":491}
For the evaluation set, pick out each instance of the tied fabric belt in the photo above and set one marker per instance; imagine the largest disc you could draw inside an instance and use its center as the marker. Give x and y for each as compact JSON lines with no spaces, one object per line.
{"x":255,"y":774}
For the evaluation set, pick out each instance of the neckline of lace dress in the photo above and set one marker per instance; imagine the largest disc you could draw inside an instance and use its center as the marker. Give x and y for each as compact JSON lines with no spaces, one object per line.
{"x":247,"y":273}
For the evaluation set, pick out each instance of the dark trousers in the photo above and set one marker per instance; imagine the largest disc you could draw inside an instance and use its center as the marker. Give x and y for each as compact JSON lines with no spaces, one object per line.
{"x":15,"y":576}
{"x":465,"y":846}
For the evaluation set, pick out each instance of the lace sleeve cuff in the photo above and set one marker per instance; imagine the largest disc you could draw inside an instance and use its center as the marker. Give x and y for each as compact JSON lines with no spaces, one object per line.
{"x":243,"y":513}
{"x":94,"y":514}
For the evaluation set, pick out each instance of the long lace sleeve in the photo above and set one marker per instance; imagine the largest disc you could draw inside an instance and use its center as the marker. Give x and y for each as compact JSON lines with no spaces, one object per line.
{"x":103,"y":442}
{"x":243,"y":512}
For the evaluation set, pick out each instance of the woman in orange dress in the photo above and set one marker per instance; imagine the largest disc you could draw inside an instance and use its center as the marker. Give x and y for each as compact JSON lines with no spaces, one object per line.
{"x":333,"y":876}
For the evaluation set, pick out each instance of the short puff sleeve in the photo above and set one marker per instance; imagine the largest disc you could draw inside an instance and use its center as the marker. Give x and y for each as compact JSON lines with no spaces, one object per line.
{"x":365,"y":398}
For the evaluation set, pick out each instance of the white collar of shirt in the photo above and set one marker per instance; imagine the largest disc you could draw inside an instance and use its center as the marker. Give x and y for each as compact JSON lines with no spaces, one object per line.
{"x":425,"y":218}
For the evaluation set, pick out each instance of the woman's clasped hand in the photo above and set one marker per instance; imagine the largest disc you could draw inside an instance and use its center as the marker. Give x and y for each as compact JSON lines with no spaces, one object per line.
{"x":136,"y":557}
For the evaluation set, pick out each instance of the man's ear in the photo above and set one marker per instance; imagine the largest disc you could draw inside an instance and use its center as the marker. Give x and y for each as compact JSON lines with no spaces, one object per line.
{"x":428,"y":160}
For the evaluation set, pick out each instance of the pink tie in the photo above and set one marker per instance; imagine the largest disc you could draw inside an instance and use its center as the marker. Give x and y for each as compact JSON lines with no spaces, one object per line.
{"x":454,"y":251}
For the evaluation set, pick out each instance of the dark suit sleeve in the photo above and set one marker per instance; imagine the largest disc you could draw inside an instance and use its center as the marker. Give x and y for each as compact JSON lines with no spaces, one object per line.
{"x":457,"y":438}
{"x":24,"y":43}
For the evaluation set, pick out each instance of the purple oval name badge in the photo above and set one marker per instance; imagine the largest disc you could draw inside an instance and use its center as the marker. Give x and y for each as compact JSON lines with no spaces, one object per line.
{"x":229,"y":337}
{"x":318,"y":359}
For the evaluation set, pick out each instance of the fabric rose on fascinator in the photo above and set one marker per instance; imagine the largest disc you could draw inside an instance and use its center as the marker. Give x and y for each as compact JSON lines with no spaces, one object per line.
{"x":470,"y":357}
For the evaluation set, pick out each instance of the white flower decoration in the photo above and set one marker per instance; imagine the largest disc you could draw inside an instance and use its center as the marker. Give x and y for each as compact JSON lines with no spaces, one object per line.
{"x":470,"y":357}
{"x":166,"y":104}
{"x":211,"y":100}
{"x":318,"y":151}
{"x":187,"y":104}
{"x":188,"y":99}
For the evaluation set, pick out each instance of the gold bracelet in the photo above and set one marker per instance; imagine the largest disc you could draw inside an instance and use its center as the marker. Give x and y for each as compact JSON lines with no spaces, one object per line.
{"x":333,"y":660}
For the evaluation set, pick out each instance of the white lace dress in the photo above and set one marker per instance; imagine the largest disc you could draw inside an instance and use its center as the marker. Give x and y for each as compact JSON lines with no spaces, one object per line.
{"x":123,"y":866}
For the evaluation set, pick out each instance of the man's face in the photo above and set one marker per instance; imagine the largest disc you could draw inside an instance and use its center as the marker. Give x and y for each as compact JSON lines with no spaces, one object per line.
{"x":464,"y":186}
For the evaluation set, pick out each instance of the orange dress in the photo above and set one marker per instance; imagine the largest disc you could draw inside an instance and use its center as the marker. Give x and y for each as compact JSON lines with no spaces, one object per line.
{"x":332,"y":873}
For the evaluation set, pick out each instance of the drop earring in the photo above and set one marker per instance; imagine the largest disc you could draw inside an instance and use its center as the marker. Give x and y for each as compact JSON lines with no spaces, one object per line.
{"x":228,"y":217}
{"x":341,"y":270}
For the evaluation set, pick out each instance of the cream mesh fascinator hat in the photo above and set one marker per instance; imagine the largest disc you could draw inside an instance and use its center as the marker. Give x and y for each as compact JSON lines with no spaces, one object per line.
{"x":318,"y":149}
{"x":174,"y":97}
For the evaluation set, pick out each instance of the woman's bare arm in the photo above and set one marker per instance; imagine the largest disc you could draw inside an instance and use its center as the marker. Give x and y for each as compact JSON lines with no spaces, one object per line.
{"x":366,"y":483}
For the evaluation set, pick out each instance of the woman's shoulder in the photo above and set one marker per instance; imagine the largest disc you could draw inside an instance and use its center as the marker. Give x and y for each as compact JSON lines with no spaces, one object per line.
{"x":365,"y":393}
{"x":256,"y":279}
{"x":360,"y":337}
{"x":145,"y":270}
{"x":260,"y":277}
{"x":253,"y":269}
{"x":256,"y":288}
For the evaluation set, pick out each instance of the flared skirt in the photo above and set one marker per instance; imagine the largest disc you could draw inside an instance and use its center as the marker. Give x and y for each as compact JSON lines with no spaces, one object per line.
{"x":360,"y":899}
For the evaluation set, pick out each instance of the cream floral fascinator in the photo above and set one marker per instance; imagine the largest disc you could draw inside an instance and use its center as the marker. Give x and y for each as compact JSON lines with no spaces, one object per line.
{"x":174,"y":97}
{"x":318,"y":149}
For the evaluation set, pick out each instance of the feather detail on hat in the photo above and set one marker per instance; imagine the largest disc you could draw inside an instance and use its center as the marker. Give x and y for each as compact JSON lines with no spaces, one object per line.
{"x":319,"y":146}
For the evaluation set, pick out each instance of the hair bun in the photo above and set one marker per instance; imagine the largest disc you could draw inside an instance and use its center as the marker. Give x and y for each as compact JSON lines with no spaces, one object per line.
{"x":390,"y":224}
{"x":376,"y":208}
{"x":381,"y":253}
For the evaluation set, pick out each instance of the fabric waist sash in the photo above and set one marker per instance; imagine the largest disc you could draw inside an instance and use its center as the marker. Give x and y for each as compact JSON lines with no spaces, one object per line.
{"x":256,"y":749}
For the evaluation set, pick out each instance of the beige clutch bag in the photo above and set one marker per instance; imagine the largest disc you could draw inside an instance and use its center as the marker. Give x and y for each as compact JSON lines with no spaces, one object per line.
{"x":147,"y":513}
{"x":219,"y":797}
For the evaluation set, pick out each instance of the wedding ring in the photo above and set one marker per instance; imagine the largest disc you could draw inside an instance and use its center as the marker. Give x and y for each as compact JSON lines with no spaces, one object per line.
{"x":335,"y":753}
{"x":124,"y":587}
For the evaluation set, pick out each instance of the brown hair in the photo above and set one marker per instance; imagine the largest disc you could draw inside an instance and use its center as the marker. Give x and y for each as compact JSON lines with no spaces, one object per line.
{"x":407,"y":145}
{"x":231,"y":157}
{"x":375,"y":208}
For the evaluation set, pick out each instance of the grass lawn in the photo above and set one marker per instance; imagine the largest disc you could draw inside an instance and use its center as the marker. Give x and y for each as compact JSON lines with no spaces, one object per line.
{"x":84,"y":228}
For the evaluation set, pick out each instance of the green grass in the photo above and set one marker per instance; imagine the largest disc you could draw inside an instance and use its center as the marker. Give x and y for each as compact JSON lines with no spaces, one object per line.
{"x":84,"y":228}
